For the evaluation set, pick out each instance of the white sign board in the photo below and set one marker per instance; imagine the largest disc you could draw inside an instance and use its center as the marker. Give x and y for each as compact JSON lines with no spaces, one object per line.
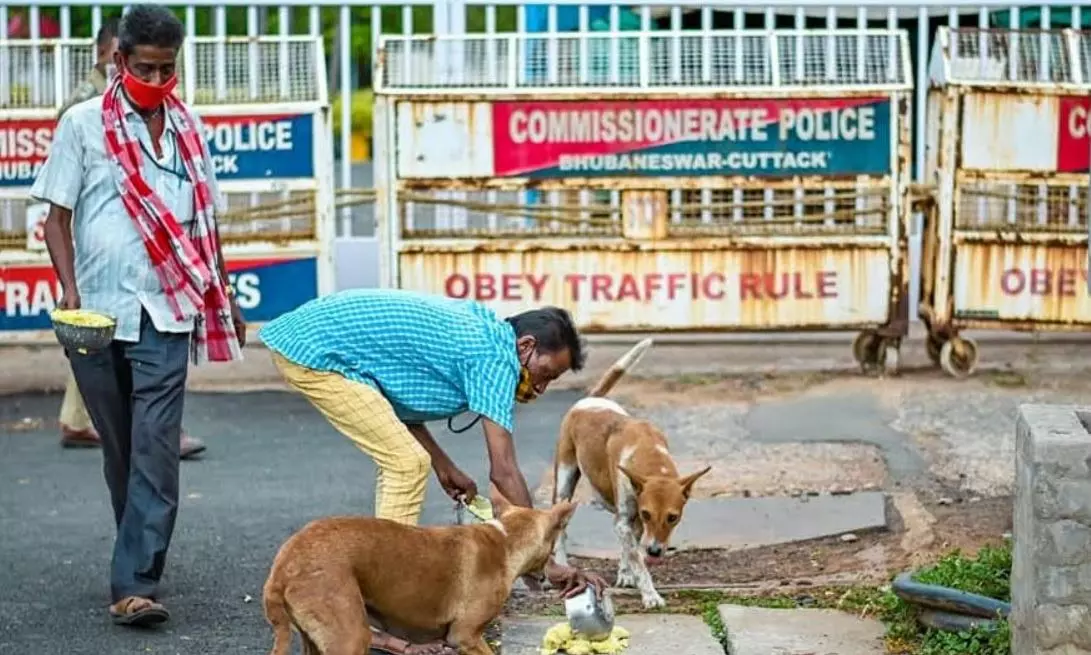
{"x":36,"y":214}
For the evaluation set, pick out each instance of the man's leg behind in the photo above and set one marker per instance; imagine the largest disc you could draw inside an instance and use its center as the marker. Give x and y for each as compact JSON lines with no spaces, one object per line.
{"x":76,"y":428}
{"x":363,"y":415}
{"x":159,"y":364}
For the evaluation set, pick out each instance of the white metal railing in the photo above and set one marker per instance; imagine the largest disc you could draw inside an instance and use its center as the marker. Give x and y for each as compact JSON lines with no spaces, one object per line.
{"x":226,"y":70}
{"x":646,"y":60}
{"x":1014,"y":58}
{"x":337,"y":22}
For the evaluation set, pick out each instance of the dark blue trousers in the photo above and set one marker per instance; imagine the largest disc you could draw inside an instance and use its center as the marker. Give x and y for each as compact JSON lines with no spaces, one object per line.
{"x":134,"y":394}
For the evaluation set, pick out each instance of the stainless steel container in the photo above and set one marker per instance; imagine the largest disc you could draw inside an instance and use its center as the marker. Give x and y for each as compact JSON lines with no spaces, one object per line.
{"x":590,"y":616}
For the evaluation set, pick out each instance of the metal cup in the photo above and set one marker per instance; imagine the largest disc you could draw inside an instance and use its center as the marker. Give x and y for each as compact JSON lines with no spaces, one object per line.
{"x":589,"y":615}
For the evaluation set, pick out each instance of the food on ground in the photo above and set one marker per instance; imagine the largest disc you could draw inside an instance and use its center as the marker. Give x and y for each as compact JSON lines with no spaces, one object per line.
{"x":81,"y":318}
{"x":561,"y":638}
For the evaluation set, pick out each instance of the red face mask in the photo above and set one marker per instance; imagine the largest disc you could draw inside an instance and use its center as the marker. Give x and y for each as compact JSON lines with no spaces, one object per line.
{"x":146,"y":96}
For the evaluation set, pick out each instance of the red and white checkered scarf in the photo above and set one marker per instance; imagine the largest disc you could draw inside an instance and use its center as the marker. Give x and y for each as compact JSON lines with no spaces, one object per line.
{"x":186,"y":265}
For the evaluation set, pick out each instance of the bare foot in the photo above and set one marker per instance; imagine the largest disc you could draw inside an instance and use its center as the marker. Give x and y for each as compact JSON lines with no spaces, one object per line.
{"x":400,"y":647}
{"x":433,"y":648}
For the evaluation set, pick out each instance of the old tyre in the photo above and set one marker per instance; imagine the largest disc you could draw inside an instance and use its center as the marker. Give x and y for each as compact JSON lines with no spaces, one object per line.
{"x":892,"y":356}
{"x":866,"y":348}
{"x":958,"y":357}
{"x":933,"y":345}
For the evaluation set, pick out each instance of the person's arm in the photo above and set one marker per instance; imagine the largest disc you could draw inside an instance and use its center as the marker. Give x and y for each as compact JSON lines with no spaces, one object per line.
{"x":489,"y":385}
{"x":503,"y":468}
{"x":59,"y":183}
{"x":440,"y":459}
{"x":58,"y":241}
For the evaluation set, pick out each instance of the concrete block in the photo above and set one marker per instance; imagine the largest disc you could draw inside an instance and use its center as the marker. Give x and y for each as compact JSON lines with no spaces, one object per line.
{"x":759,"y":631}
{"x":1051,"y":568}
{"x":739,"y":523}
{"x":651,"y":634}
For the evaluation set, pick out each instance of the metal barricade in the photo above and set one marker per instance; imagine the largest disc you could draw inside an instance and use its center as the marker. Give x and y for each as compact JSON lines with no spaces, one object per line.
{"x":736,"y":180}
{"x":265,"y":107}
{"x":1006,"y":245}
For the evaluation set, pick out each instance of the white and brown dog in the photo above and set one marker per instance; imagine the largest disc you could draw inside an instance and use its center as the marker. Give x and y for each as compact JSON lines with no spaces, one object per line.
{"x":631,"y":473}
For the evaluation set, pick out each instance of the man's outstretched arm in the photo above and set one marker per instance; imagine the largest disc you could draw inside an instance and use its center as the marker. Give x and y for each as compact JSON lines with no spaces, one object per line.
{"x":503,"y":468}
{"x":504,"y":473}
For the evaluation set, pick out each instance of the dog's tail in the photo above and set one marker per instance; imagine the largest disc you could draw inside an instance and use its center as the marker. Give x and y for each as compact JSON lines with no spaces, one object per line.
{"x":620,"y":368}
{"x":276,"y":613}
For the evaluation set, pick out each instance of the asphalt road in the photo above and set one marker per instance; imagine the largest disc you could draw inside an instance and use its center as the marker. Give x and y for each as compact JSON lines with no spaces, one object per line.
{"x":273,"y":464}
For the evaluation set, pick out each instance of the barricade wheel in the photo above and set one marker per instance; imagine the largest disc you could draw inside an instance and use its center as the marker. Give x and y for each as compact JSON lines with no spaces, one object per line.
{"x":867,"y":350}
{"x":933,"y":345}
{"x":958,"y":357}
{"x":892,"y":356}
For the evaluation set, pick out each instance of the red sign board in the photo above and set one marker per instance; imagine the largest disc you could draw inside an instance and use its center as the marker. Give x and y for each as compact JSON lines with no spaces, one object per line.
{"x":700,"y":136}
{"x":1073,"y":154}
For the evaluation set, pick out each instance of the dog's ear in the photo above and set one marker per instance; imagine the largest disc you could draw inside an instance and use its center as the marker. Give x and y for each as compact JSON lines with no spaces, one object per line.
{"x":561,"y":514}
{"x":500,"y":504}
{"x":687,"y":482}
{"x":638,"y":481}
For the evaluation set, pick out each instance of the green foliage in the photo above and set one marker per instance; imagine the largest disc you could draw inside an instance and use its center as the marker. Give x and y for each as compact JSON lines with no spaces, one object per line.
{"x":988,"y":574}
{"x":360,"y":112}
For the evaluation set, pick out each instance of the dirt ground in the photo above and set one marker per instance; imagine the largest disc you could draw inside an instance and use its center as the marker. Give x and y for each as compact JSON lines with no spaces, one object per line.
{"x":942,"y":449}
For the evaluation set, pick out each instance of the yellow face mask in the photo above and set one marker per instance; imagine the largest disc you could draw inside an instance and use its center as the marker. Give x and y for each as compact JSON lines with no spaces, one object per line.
{"x":525,"y":392}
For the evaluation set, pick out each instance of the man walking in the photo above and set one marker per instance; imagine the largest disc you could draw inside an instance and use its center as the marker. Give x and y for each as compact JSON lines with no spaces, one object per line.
{"x":379,"y":363}
{"x":76,"y":428}
{"x":130,"y":178}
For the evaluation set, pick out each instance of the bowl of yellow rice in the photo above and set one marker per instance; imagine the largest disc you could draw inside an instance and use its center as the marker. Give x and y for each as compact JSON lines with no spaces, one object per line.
{"x":83,"y":330}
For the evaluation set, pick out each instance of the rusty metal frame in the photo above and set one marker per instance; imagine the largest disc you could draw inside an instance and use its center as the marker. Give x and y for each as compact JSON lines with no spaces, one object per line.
{"x":892,"y":240}
{"x":944,"y":237}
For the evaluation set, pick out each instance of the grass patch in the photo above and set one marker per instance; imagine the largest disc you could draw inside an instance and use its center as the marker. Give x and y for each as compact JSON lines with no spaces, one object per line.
{"x":988,"y":574}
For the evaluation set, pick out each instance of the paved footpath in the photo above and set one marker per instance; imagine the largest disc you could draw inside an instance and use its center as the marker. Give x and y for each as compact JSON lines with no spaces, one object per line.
{"x":273,"y":464}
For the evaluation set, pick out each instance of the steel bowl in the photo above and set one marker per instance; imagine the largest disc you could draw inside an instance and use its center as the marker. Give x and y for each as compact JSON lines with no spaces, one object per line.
{"x":85,"y":339}
{"x":589,"y":615}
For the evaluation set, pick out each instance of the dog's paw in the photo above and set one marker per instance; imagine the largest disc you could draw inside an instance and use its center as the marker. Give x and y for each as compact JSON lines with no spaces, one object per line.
{"x":625,"y":579}
{"x":652,"y":601}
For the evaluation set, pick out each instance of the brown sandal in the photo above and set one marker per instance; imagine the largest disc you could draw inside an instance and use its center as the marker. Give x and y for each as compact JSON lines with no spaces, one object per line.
{"x":137,"y":611}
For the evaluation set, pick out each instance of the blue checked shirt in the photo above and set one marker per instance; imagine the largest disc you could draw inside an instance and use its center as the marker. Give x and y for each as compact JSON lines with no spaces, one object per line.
{"x":432,"y":357}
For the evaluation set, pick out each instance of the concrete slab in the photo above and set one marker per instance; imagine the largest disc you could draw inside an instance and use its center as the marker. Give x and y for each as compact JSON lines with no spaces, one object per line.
{"x":740,"y":523}
{"x":758,"y":631}
{"x":651,"y":634}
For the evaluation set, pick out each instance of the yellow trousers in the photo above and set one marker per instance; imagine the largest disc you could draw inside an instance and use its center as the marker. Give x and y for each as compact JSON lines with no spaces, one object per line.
{"x":73,"y":412}
{"x":363,"y":415}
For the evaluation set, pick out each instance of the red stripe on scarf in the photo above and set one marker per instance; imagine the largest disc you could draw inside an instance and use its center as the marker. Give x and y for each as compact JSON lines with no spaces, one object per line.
{"x":186,"y":265}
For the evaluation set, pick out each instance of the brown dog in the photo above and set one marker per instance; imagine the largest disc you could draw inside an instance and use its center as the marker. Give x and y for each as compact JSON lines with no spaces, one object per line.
{"x":334,"y":574}
{"x":631,"y":473}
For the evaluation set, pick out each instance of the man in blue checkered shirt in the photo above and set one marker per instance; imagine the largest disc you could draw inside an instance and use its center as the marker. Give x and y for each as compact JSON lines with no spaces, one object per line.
{"x":379,"y":363}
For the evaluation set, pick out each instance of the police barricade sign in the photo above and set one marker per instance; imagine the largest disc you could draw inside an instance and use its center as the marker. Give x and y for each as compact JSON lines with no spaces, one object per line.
{"x":666,"y":192}
{"x":261,"y":153}
{"x":1009,"y":246}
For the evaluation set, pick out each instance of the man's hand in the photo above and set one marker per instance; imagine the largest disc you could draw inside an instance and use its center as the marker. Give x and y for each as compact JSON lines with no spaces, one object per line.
{"x":454,"y":482}
{"x":238,"y":321}
{"x":70,"y":300}
{"x":571,"y":581}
